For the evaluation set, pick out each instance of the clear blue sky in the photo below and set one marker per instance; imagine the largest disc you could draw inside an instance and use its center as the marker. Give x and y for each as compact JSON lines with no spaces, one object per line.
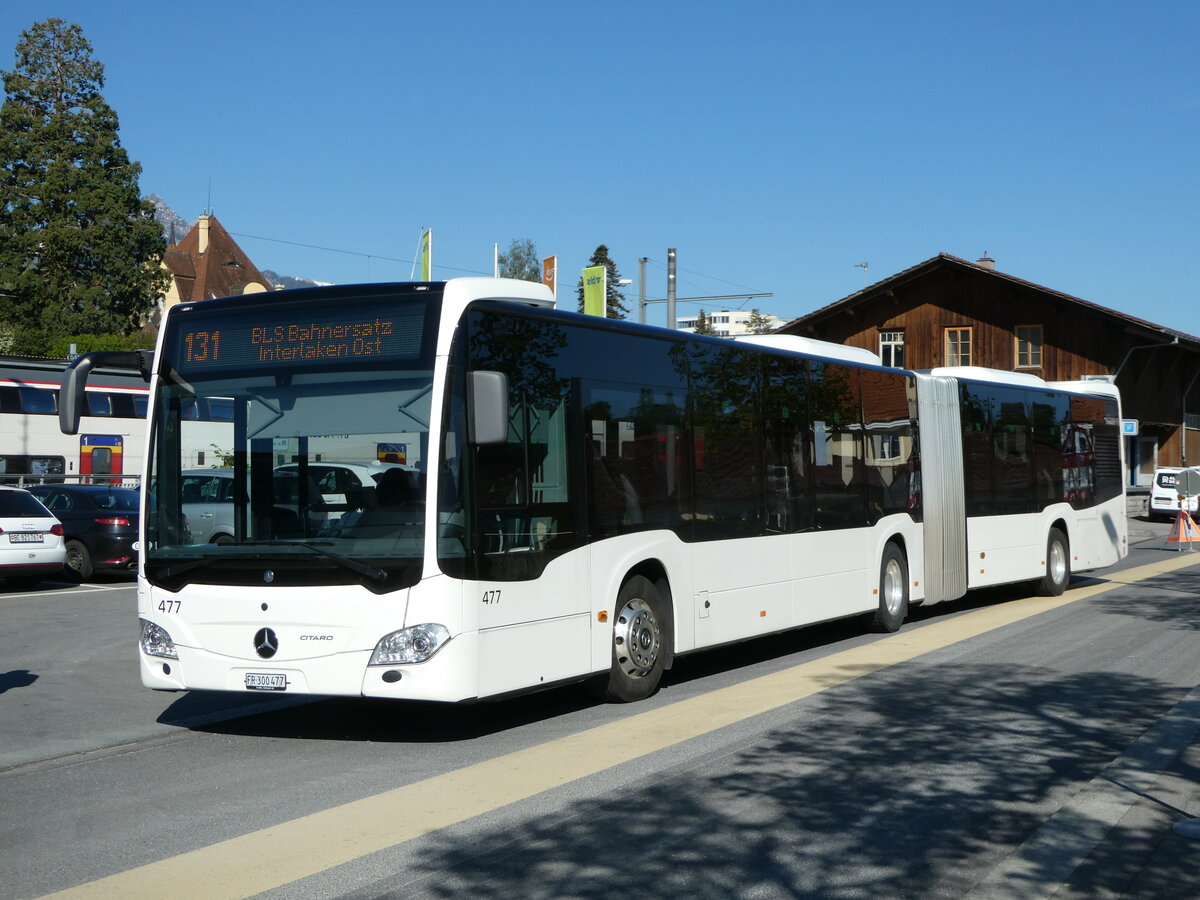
{"x":774,"y":144}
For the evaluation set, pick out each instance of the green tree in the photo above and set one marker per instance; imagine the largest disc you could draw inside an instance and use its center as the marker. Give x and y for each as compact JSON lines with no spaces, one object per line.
{"x":79,"y":249}
{"x":704,"y":324}
{"x":521,"y":261}
{"x":614,"y":299}
{"x":757,"y":323}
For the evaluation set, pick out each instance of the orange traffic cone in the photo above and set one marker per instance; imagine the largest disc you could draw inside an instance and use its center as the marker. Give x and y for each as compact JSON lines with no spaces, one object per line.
{"x":1184,"y":531}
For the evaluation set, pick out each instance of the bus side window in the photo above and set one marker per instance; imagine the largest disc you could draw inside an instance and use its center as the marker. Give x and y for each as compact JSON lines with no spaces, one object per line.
{"x":839,"y":469}
{"x":889,"y":409}
{"x":634,"y":458}
{"x":785,"y":427}
{"x":728,"y":458}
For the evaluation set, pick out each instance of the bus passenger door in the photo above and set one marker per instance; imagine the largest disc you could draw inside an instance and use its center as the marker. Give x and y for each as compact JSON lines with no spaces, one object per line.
{"x":533,"y":570}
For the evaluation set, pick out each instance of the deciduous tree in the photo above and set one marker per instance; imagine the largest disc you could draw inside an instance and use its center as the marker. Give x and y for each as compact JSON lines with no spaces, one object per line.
{"x":521,"y":261}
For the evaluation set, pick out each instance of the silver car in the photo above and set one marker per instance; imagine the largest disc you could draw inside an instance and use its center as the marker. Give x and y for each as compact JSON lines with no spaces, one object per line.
{"x":208,"y":505}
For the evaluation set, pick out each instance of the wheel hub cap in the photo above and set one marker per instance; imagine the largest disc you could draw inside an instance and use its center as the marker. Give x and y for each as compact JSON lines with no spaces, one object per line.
{"x":893,"y":588}
{"x":636,"y":638}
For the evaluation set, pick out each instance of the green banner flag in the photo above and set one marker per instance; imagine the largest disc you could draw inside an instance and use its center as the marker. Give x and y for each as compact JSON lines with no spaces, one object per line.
{"x":427,"y":255}
{"x":595,"y":291}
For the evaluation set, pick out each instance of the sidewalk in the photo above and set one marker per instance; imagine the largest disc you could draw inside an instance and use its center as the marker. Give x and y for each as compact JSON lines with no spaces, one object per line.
{"x":1142,"y":529}
{"x":1134,"y":803}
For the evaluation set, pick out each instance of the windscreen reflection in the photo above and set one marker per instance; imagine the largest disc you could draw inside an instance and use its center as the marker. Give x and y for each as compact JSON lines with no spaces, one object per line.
{"x":320,"y":465}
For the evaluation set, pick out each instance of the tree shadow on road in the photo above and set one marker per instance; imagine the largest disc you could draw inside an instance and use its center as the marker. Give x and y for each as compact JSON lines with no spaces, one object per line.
{"x":900,"y":786}
{"x":1174,"y":599}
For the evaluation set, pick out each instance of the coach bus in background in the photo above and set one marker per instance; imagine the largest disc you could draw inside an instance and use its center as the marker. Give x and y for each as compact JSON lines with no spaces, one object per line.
{"x":580,"y":498}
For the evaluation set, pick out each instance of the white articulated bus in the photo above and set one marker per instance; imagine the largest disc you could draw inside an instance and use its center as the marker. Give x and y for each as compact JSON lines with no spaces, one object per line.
{"x":572,"y":497}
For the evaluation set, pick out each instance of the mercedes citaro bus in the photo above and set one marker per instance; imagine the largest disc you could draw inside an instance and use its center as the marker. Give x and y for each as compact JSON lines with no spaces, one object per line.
{"x":580,"y":498}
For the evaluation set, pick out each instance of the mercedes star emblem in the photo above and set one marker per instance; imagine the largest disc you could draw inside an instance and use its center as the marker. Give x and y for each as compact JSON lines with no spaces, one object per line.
{"x":266,"y":643}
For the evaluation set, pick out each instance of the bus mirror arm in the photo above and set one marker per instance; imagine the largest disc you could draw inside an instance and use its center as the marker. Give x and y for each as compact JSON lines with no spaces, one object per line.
{"x":75,"y":377}
{"x":487,"y":407}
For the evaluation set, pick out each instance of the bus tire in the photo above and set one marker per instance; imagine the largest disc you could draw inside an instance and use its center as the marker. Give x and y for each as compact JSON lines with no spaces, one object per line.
{"x":79,"y":561}
{"x":893,"y":591}
{"x":1058,"y":565}
{"x":640,"y":641}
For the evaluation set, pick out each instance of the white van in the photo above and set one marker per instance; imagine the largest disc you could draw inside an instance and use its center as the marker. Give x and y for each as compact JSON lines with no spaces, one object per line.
{"x":1165,"y":501}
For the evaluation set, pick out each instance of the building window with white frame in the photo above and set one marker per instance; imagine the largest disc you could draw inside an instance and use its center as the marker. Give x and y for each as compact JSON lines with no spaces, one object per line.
{"x":891,"y":347}
{"x":1029,"y":346}
{"x":958,"y":346}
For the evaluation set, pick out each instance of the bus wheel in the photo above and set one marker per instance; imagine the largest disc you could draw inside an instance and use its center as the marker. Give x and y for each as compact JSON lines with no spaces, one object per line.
{"x":1058,"y":565}
{"x":893,"y":591}
{"x":79,"y":561}
{"x":639,"y":642}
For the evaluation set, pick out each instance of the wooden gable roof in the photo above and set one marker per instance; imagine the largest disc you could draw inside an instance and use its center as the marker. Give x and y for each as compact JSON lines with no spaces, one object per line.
{"x":810,"y":323}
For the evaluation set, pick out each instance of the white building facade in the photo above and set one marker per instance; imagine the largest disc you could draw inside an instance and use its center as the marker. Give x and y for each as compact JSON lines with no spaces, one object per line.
{"x":730,"y":322}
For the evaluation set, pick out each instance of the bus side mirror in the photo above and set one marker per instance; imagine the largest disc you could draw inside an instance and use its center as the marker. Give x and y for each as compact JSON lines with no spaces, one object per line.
{"x":71,"y":398}
{"x":487,"y":407}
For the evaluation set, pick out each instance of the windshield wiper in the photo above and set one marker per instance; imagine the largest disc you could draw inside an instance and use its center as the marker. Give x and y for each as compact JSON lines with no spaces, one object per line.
{"x":181,"y":568}
{"x":373,"y":572}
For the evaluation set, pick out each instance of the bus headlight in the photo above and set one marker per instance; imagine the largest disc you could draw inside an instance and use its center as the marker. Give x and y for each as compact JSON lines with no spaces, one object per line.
{"x":410,"y":645}
{"x":156,"y":641}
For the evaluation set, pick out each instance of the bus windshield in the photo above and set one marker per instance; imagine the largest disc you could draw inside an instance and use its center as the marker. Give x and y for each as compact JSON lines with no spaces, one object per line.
{"x":293,"y":443}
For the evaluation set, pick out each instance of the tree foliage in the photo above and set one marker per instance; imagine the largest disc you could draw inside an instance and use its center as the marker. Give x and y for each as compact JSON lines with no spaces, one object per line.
{"x":704,"y":324}
{"x":79,"y":249}
{"x":521,"y":261}
{"x":757,"y":323}
{"x":60,"y":347}
{"x":614,"y":299}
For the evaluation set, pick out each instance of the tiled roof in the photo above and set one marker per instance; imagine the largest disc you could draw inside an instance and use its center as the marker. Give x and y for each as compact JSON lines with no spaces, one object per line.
{"x":222,"y":270}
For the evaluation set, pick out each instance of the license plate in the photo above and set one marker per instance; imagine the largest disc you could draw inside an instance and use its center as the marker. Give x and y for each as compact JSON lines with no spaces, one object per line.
{"x":25,"y":537}
{"x":263,"y":681}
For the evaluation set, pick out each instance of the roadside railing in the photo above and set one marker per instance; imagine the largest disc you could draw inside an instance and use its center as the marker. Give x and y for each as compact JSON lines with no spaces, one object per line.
{"x":122,"y":480}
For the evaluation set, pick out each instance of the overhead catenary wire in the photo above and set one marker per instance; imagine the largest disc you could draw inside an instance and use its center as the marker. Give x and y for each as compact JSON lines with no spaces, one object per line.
{"x":412,"y":262}
{"x":368,"y":256}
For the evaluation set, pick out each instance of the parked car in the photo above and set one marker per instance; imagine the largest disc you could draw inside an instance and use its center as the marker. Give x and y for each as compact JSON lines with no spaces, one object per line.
{"x":31,"y":540}
{"x":347,"y":487}
{"x":100,"y":524}
{"x":208,"y":504}
{"x":1164,"y":498}
{"x":342,"y":483}
{"x":334,"y":488}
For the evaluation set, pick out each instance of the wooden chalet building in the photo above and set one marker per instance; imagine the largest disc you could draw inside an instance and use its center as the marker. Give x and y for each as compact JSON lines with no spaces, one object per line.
{"x":948,"y":311}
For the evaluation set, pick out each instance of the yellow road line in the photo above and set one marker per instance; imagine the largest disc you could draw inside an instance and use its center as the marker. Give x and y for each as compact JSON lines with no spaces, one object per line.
{"x":272,"y":857}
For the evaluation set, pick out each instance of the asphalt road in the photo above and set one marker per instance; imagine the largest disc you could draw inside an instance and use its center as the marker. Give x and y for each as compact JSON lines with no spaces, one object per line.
{"x":998,"y":746}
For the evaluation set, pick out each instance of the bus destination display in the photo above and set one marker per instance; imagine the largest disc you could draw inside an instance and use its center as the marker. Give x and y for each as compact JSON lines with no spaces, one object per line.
{"x":366,"y":335}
